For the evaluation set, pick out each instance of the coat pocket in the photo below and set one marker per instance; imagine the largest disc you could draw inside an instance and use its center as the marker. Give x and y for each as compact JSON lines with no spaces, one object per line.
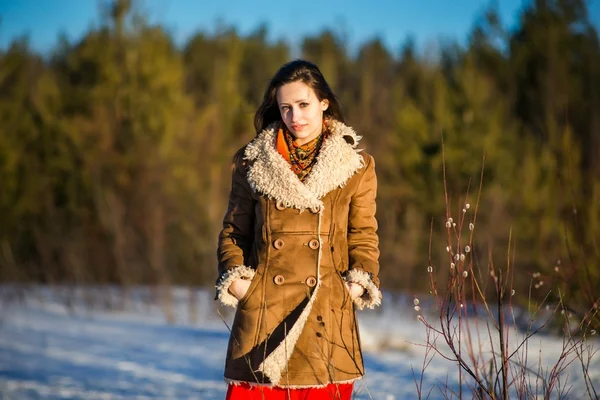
{"x":243,"y":302}
{"x":339,"y":253}
{"x":346,"y":296}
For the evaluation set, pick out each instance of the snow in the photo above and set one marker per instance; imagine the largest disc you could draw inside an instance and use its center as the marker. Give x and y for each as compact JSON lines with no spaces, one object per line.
{"x":98,"y":343}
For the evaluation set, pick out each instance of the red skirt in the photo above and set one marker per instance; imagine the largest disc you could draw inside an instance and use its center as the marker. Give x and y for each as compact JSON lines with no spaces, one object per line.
{"x":333,"y":391}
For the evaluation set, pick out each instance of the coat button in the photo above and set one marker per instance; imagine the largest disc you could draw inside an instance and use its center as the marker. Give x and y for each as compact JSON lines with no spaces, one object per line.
{"x":279,"y":279}
{"x":278,"y":243}
{"x":313,"y":244}
{"x":314,"y":210}
{"x":279,"y":205}
{"x":311,"y":281}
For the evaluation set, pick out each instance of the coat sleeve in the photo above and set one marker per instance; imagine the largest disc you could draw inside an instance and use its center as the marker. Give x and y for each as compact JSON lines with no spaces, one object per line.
{"x":363,"y":241}
{"x":236,"y":237}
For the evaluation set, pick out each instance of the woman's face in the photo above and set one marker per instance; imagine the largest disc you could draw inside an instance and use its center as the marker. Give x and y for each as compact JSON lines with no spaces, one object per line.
{"x":301,"y":110}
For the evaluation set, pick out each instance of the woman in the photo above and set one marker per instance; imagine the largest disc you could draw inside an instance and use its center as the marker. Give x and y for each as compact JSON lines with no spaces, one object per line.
{"x":299,"y":247}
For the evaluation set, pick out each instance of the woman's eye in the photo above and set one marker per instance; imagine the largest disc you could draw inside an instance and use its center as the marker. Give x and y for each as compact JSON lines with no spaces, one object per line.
{"x":303,"y":105}
{"x":285,"y":108}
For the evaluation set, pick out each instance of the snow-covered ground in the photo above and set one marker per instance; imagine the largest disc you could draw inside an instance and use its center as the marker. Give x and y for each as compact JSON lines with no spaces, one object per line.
{"x":95,"y":343}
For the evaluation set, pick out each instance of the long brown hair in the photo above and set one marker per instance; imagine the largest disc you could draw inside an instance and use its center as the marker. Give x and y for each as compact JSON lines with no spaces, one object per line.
{"x":297,"y":70}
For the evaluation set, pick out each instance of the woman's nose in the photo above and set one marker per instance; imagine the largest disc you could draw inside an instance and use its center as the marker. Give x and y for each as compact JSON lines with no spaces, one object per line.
{"x":295,"y":115}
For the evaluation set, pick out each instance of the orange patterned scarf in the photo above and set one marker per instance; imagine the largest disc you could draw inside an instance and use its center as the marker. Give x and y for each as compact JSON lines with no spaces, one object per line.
{"x":300,"y":157}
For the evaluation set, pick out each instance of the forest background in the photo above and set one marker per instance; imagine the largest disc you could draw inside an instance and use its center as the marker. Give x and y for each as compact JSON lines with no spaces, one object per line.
{"x":116,"y":148}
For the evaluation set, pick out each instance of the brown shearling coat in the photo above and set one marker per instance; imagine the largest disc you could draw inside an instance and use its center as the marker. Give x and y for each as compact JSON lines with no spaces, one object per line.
{"x":299,"y":242}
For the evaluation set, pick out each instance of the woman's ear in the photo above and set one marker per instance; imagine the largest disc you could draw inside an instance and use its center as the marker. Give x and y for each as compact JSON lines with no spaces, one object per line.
{"x":324,"y":104}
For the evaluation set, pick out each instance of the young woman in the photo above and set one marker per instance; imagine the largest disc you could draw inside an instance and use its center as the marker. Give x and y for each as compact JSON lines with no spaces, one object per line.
{"x":299,"y":247}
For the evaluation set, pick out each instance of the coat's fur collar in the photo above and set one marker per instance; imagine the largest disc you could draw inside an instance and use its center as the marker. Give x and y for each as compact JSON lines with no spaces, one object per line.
{"x":270,"y":174}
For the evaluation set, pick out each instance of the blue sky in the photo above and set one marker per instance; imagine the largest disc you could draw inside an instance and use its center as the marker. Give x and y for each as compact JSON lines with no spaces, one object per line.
{"x":361,"y":20}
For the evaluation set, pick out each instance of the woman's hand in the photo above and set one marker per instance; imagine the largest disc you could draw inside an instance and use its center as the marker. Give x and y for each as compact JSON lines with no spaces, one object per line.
{"x":239,"y":287}
{"x":356,"y":290}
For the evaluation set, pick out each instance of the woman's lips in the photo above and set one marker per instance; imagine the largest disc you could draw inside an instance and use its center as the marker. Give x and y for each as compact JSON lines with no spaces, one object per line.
{"x":298,"y":127}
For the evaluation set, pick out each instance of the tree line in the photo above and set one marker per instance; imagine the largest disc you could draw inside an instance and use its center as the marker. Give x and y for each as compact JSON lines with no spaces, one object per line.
{"x":116,"y":148}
